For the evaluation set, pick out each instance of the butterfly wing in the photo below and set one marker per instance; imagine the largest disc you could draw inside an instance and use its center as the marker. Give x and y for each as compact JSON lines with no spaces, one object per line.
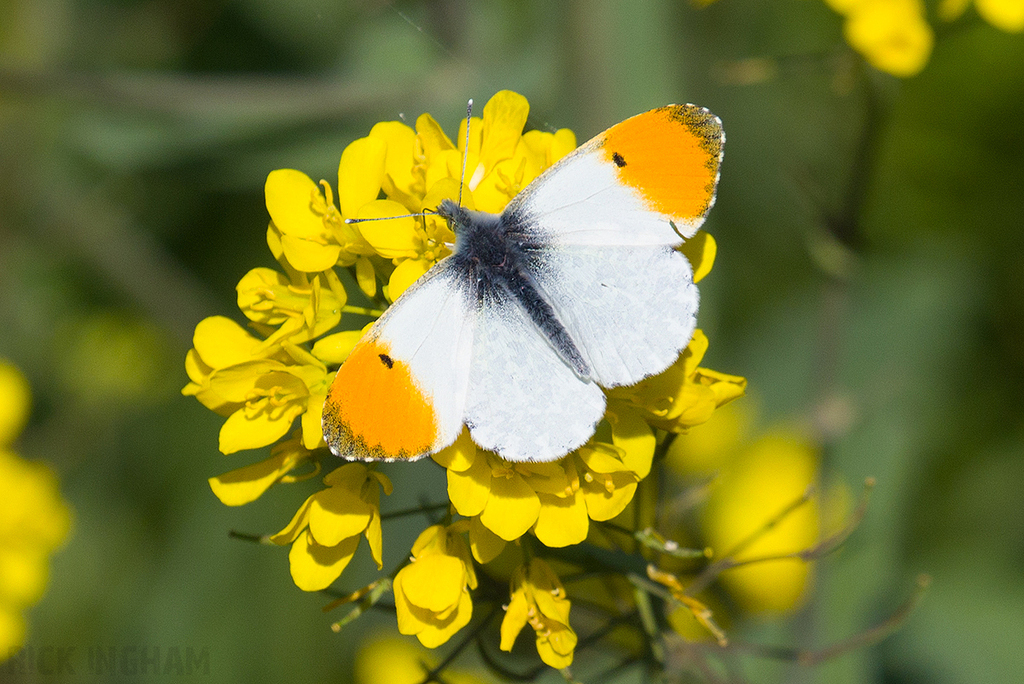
{"x":630,"y":310}
{"x":401,"y":394}
{"x":624,"y":186}
{"x":602,"y":226}
{"x":524,"y":401}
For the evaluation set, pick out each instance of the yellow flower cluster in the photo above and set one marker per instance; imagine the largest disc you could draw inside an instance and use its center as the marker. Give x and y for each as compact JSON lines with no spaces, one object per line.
{"x":34,"y":520}
{"x":270,"y":381}
{"x":895,"y":36}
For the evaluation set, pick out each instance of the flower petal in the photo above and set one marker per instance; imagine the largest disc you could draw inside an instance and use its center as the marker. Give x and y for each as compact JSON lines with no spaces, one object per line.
{"x":220,"y":342}
{"x":289,"y":196}
{"x":360,"y":174}
{"x":405,"y":274}
{"x":434,"y":582}
{"x":562,"y":521}
{"x":485,"y":544}
{"x":312,"y":430}
{"x":337,"y":513}
{"x":375,"y":539}
{"x":556,"y":649}
{"x":440,"y":631}
{"x":241,"y":431}
{"x":469,"y":490}
{"x":504,"y":116}
{"x":315,"y":567}
{"x":246,"y":484}
{"x":515,"y":619}
{"x":401,"y":148}
{"x":460,"y":456}
{"x":310,"y":256}
{"x":393,"y":233}
{"x":511,"y":509}
{"x":632,"y":434}
{"x":298,"y":523}
{"x":700,"y":250}
{"x":432,"y":137}
{"x":604,"y":503}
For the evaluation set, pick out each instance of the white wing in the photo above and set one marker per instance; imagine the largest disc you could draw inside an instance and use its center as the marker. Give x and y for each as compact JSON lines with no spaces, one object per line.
{"x":631,"y":310}
{"x":401,"y":394}
{"x":624,"y":186}
{"x":524,"y":402}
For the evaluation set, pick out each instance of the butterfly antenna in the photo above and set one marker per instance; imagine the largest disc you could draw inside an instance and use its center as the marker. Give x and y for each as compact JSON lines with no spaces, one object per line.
{"x":465,"y":151}
{"x":388,"y":218}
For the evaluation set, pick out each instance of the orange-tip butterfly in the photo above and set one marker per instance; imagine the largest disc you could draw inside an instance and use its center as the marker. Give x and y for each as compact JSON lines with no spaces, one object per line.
{"x":576,"y":286}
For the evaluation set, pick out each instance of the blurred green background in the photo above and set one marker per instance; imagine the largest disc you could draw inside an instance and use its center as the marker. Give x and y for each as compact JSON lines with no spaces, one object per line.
{"x":135,"y":138}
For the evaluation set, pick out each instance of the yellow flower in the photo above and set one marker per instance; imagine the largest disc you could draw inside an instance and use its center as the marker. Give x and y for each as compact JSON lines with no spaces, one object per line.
{"x":700,"y":250}
{"x":556,"y":500}
{"x":325,"y":531}
{"x":893,"y":35}
{"x":300,"y":307}
{"x":432,"y":592}
{"x":752,"y":489}
{"x":684,"y":395}
{"x":539,"y":599}
{"x":1007,"y":15}
{"x":262,"y":390}
{"x":34,"y":519}
{"x":271,"y":395}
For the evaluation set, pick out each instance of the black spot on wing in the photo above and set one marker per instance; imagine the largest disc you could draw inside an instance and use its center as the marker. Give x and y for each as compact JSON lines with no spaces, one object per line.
{"x":618,"y":159}
{"x":387,"y":360}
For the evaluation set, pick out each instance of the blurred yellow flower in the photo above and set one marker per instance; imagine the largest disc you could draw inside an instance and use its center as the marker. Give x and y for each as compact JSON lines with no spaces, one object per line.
{"x":538,"y":599}
{"x":1007,"y":15}
{"x":394,"y":660}
{"x":34,"y":519}
{"x":15,"y":398}
{"x":752,"y":489}
{"x":432,"y":592}
{"x":325,"y":531}
{"x":893,"y":35}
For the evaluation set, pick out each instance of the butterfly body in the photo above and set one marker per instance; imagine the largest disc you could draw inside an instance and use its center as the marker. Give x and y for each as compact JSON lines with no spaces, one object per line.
{"x":575,"y":287}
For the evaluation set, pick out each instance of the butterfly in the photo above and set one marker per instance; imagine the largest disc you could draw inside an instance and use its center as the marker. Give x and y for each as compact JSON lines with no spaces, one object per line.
{"x":576,"y":286}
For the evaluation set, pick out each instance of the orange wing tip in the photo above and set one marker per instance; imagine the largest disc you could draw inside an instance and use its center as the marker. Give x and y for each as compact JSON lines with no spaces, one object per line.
{"x":670,"y":157}
{"x":376,"y":411}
